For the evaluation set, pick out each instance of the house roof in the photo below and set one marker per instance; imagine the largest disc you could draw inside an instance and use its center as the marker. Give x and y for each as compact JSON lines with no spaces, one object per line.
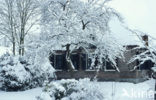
{"x":124,"y":36}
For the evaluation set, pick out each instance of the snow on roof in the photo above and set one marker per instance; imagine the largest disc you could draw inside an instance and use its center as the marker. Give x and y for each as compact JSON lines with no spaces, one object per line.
{"x":124,"y":36}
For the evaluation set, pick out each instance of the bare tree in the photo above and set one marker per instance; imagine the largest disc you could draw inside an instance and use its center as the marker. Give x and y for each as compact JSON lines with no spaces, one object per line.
{"x":17,"y":18}
{"x":27,"y":18}
{"x":8,"y":22}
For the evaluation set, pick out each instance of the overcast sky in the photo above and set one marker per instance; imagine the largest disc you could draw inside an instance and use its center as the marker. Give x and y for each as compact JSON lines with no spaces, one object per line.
{"x":138,"y":14}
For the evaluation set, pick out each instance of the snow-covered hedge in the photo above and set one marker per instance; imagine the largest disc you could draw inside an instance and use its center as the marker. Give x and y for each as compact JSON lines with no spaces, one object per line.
{"x":19,"y":74}
{"x":72,"y":89}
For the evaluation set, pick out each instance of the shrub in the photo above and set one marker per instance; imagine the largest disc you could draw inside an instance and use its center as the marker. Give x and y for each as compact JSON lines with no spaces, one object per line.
{"x":14,"y":73}
{"x":83,"y":89}
{"x":19,"y":74}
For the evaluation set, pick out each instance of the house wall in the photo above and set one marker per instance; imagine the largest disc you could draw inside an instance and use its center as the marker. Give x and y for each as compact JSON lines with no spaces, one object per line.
{"x":125,"y":76}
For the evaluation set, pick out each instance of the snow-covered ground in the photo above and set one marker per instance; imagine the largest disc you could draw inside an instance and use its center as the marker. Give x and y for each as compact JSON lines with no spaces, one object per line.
{"x":129,"y":91}
{"x":112,"y":91}
{"x":3,"y":50}
{"x":24,"y":95}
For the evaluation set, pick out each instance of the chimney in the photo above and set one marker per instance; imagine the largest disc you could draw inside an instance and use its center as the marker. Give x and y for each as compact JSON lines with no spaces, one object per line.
{"x":145,"y":39}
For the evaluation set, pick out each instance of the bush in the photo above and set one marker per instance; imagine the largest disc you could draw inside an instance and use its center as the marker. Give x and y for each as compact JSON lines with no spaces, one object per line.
{"x":83,"y":89}
{"x":18,"y":74}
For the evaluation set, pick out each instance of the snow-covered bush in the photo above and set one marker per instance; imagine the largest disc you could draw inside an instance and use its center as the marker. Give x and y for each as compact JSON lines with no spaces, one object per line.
{"x":42,"y":72}
{"x":38,"y":56}
{"x":15,"y":74}
{"x":72,"y":89}
{"x":19,"y":74}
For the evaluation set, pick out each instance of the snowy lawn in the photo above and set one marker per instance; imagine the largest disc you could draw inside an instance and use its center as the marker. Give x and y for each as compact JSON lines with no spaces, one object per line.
{"x":111,"y":90}
{"x":24,"y":95}
{"x":129,"y":91}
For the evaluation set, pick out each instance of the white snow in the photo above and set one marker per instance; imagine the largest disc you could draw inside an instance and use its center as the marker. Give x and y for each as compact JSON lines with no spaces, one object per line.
{"x":124,"y":36}
{"x":24,"y":95}
{"x":111,"y":90}
{"x":154,"y":69}
{"x":129,"y":91}
{"x":3,"y":50}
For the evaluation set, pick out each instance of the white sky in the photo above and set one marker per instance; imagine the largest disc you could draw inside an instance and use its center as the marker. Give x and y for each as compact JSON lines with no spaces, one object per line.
{"x":138,"y":14}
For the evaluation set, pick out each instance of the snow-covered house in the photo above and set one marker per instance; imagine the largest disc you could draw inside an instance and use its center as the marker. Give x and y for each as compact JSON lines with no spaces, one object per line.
{"x":82,"y":63}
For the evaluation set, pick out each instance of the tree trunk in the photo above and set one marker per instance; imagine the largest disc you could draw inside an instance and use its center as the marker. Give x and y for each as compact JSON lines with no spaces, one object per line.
{"x":23,"y":47}
{"x":68,"y":59}
{"x":14,"y":46}
{"x":20,"y":47}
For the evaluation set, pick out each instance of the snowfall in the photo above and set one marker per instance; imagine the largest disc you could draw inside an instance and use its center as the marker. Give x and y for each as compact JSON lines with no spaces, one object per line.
{"x":111,"y":90}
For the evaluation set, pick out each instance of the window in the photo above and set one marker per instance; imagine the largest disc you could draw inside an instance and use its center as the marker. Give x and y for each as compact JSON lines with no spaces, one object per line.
{"x":109,"y":66}
{"x":146,"y":65}
{"x":60,"y":62}
{"x":79,"y":61}
{"x":89,"y":62}
{"x":75,"y":60}
{"x":84,"y":58}
{"x":106,"y":66}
